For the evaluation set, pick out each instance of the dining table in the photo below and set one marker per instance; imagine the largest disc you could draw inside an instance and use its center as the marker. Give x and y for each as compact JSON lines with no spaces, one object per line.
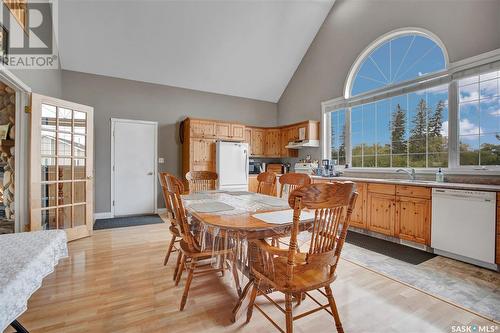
{"x":236,"y":218}
{"x":25,"y":259}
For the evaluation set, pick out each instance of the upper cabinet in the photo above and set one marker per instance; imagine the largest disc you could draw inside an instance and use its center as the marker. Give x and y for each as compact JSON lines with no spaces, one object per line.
{"x":262,"y":142}
{"x":199,"y":128}
{"x":202,"y":129}
{"x":222,"y":130}
{"x":238,"y":132}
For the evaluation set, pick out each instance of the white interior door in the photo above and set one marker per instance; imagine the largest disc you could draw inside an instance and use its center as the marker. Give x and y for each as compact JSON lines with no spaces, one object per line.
{"x":134,"y":167}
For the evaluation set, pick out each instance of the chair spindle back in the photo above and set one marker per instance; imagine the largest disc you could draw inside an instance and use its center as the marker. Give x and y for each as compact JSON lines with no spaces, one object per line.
{"x":293,"y":180}
{"x":267,"y":183}
{"x":201,"y":181}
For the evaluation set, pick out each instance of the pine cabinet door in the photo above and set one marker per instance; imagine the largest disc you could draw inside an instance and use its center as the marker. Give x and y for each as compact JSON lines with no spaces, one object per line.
{"x":381,"y":213}
{"x":223,"y":130}
{"x":258,"y":142}
{"x":202,"y":129}
{"x":203,"y":155}
{"x":237,"y":132}
{"x":358,"y":217}
{"x":413,"y":219}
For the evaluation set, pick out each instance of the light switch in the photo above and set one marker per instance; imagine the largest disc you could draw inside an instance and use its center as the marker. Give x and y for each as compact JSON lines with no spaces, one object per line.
{"x":161,"y":160}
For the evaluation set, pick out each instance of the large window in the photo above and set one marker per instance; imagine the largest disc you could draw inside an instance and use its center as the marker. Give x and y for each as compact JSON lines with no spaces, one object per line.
{"x":397,"y":109}
{"x":403,"y":131}
{"x":399,"y":59}
{"x":479,"y":116}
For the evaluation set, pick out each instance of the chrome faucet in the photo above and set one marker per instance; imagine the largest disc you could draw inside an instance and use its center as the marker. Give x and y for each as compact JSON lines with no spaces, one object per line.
{"x":410,"y":172}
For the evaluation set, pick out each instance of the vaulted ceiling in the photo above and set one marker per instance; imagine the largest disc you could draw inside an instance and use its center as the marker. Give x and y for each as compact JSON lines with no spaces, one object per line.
{"x":241,"y":48}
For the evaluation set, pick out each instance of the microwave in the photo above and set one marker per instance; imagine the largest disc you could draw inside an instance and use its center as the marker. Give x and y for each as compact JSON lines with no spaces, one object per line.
{"x":255,"y":167}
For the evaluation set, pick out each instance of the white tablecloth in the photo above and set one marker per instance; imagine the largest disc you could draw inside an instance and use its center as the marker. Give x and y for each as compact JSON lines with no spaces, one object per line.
{"x":25,"y":259}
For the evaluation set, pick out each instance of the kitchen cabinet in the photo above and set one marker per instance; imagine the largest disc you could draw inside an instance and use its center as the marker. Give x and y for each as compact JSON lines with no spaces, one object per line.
{"x":199,"y":135}
{"x":272,"y":143}
{"x":358,"y":217}
{"x":258,"y":142}
{"x":228,"y":131}
{"x":237,"y":132}
{"x":248,"y":137}
{"x":381,"y":213}
{"x":223,"y":130}
{"x":413,"y":219}
{"x":286,"y":135}
{"x":203,"y":155}
{"x":253,"y":183}
{"x":202,"y":129}
{"x":400,"y":211}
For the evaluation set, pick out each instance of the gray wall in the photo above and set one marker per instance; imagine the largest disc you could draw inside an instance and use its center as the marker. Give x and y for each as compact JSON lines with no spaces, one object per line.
{"x":466,"y":27}
{"x":42,"y":81}
{"x":118,"y":98}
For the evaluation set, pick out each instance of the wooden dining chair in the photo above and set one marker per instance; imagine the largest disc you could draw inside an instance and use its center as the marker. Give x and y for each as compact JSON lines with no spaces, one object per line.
{"x":192,"y":254}
{"x":292,"y":181}
{"x":296,"y":274}
{"x":174,"y":228}
{"x":201,"y":181}
{"x":267,"y":183}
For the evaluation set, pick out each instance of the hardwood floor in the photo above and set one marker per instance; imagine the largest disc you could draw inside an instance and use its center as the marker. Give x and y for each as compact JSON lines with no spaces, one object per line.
{"x":115,"y":281}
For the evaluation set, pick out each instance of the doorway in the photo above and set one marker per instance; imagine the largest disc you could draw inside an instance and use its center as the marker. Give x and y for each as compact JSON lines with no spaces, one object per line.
{"x":133,"y":167}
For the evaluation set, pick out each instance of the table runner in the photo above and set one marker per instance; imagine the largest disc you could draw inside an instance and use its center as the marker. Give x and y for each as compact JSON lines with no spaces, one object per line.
{"x":25,"y":259}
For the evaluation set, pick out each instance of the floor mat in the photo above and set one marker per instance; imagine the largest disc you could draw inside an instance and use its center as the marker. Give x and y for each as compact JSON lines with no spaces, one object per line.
{"x":126,"y":221}
{"x":390,"y":249}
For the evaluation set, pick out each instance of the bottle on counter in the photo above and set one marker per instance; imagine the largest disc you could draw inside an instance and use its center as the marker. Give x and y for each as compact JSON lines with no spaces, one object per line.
{"x":440,"y":176}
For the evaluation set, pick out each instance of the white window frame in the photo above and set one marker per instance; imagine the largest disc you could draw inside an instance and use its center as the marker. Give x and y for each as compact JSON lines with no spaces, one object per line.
{"x":447,"y":76}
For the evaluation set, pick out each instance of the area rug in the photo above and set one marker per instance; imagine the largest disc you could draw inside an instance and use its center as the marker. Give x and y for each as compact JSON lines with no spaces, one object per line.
{"x":128,"y":221}
{"x":467,"y":286}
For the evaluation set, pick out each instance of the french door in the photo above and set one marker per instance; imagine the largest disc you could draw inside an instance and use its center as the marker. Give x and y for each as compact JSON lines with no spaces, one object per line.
{"x":61,"y":166}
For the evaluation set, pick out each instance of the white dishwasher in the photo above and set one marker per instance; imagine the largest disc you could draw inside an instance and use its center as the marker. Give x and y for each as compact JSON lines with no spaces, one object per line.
{"x":463,"y":225}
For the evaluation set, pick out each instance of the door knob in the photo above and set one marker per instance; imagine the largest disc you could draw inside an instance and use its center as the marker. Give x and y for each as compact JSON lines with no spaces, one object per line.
{"x":150,"y":173}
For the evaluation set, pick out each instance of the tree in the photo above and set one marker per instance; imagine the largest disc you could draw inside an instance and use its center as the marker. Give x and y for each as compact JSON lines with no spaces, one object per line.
{"x":398,"y":131}
{"x":419,"y":131}
{"x":436,"y":121}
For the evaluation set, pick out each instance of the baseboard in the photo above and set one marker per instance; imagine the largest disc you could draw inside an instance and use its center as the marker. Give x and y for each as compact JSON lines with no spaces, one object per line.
{"x":105,"y":215}
{"x":161,"y":210}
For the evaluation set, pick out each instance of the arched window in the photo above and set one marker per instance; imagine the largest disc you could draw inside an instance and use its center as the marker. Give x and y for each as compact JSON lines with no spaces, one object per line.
{"x":398,"y":57}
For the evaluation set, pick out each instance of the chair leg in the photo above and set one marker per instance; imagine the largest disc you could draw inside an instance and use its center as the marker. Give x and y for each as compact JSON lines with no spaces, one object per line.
{"x":188,"y":283}
{"x":288,"y":313}
{"x":181,"y":269}
{"x":169,"y":250}
{"x":253,"y":295}
{"x":234,"y":269}
{"x":333,"y":307}
{"x":177,"y":264}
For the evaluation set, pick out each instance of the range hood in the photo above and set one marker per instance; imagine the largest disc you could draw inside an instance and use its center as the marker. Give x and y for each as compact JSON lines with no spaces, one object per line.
{"x":297,"y":144}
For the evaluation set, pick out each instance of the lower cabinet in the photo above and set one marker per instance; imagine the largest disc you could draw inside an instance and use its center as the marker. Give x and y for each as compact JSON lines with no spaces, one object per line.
{"x":253,"y":184}
{"x":399,"y":211}
{"x":358,"y":217}
{"x":381,"y":213}
{"x":413,"y":219}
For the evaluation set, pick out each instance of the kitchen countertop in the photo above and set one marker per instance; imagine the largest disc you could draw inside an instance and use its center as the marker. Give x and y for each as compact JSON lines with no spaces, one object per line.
{"x":424,"y":183}
{"x":458,"y":186}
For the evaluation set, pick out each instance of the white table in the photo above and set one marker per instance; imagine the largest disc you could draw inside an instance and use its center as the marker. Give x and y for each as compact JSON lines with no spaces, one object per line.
{"x":25,"y":259}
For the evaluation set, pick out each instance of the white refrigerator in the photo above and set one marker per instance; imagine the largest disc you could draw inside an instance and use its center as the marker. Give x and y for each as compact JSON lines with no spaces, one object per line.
{"x":232,"y":165}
